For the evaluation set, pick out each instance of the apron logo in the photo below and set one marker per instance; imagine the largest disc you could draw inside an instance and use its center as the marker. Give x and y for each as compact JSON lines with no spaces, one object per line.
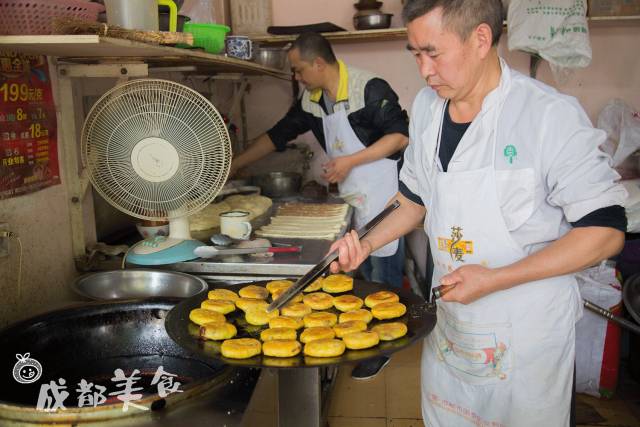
{"x":455,"y":246}
{"x":338,"y":145}
{"x":510,"y":153}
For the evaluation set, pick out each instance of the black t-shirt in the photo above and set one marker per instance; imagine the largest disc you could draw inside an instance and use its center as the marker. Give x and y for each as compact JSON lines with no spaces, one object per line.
{"x":452,"y":133}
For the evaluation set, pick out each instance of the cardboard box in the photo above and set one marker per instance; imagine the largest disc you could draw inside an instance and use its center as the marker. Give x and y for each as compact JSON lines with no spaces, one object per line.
{"x":614,"y":8}
{"x":222,"y":12}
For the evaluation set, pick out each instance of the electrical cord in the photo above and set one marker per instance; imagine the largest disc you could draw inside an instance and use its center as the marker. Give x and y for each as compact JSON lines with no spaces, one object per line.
{"x":11,"y":235}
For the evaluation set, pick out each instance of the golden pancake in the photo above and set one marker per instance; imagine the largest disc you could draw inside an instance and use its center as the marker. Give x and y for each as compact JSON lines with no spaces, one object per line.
{"x":276,"y":285}
{"x":318,"y":300}
{"x":390,"y":331}
{"x":281,"y":348}
{"x":223,"y":294}
{"x":296,"y":298}
{"x":245,"y":304}
{"x":254,"y":291}
{"x":200,"y":316}
{"x":320,"y":318}
{"x":324,"y":348}
{"x":388,"y":310}
{"x":241,"y":348}
{"x":337,"y":283}
{"x":360,"y":340}
{"x":342,"y":329}
{"x":219,"y":305}
{"x":259,"y":316}
{"x":315,"y":286}
{"x":317,"y":333}
{"x":380,"y":297}
{"x":347,"y":302}
{"x":360,"y":314}
{"x":298,"y":310}
{"x":278,"y":334}
{"x":286,"y":322}
{"x":218,"y":330}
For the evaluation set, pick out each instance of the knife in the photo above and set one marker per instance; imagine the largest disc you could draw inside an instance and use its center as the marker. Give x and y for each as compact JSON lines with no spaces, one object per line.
{"x":212,"y":251}
{"x":319,"y":268}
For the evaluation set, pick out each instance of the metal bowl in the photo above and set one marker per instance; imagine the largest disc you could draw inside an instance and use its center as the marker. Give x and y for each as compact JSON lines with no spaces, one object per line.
{"x":372,"y":21}
{"x":138,"y":283}
{"x":272,"y":57}
{"x":279,"y":184}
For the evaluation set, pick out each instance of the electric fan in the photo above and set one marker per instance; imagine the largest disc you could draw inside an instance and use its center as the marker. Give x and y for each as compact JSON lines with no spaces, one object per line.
{"x":157,"y":150}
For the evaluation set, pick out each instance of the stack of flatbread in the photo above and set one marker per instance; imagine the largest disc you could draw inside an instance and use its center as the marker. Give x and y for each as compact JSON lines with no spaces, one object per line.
{"x":306,"y":221}
{"x":209,"y":217}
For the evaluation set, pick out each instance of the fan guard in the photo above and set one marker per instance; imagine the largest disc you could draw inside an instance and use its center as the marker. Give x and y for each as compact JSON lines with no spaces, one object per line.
{"x":156,"y":149}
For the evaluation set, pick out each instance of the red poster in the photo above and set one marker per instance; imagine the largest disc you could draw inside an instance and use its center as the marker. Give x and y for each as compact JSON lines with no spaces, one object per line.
{"x":28,"y":144}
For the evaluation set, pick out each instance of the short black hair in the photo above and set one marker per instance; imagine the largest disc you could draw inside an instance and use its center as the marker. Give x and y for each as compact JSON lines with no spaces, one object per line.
{"x":460,"y":16}
{"x":312,"y":46}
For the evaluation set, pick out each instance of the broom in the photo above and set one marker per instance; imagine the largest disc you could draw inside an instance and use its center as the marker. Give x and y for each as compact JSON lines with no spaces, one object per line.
{"x":80,"y":26}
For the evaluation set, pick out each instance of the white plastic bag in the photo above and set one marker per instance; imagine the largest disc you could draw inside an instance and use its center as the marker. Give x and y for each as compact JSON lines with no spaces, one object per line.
{"x":621,"y":122}
{"x":593,"y":376}
{"x":556,"y":30}
{"x":200,"y":11}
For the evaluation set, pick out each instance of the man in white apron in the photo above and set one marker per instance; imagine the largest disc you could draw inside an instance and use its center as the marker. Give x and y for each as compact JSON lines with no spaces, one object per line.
{"x":358,"y":121}
{"x":515,"y":197}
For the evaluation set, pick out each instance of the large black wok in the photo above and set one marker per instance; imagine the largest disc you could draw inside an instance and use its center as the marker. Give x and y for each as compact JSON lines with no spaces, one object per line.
{"x":92,"y":341}
{"x":419,"y":320}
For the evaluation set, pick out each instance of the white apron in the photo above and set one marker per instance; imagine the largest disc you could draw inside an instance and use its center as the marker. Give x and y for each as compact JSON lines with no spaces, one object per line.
{"x":506,"y":359}
{"x":368,"y":187}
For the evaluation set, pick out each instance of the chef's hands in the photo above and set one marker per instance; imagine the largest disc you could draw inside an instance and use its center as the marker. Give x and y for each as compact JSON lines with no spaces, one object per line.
{"x":472,"y":282}
{"x":337,"y":169}
{"x":351,"y":252}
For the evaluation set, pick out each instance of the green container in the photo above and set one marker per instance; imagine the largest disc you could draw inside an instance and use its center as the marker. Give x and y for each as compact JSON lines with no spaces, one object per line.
{"x":210,"y":37}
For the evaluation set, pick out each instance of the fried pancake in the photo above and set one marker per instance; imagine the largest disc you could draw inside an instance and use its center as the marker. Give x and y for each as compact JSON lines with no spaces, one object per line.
{"x":324,"y":348}
{"x":223,"y":294}
{"x":342,"y":329}
{"x":317,"y":333}
{"x":218,"y":331}
{"x":200,"y":316}
{"x":388,"y":310}
{"x":219,"y":305}
{"x":276,"y":294}
{"x":360,"y":340}
{"x":318,"y":300}
{"x":297,"y":310}
{"x":276,"y":285}
{"x":390,"y":331}
{"x":245,"y":304}
{"x":320,"y":318}
{"x":347,"y":302}
{"x":278,"y":334}
{"x":281,"y":348}
{"x":315,"y":286}
{"x":360,"y":314}
{"x":254,"y":291}
{"x":259,"y":316}
{"x":380,"y":297}
{"x":241,"y":348}
{"x":286,"y":322}
{"x":336,"y":283}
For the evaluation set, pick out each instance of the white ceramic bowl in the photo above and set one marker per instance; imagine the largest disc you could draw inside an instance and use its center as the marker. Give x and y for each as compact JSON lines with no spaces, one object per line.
{"x":148,"y":232}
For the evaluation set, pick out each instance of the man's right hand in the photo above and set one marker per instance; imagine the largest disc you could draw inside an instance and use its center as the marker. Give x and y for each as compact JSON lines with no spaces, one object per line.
{"x":351,"y":252}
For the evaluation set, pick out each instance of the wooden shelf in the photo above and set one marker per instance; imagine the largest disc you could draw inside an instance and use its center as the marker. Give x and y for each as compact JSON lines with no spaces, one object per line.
{"x":390,"y":34}
{"x":91,"y":49}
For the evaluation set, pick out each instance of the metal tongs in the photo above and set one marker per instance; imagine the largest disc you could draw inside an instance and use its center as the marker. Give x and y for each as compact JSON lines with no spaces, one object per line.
{"x":319,"y":268}
{"x":430,"y":306}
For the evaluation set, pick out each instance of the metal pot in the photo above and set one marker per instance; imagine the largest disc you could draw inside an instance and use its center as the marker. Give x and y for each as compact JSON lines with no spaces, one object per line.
{"x":272,"y":57}
{"x":372,"y":21}
{"x":138,"y":283}
{"x":163,"y":21}
{"x":279,"y":184}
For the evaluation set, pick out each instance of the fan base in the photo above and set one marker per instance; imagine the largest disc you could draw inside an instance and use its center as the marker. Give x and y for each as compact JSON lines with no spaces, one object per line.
{"x":182,"y":251}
